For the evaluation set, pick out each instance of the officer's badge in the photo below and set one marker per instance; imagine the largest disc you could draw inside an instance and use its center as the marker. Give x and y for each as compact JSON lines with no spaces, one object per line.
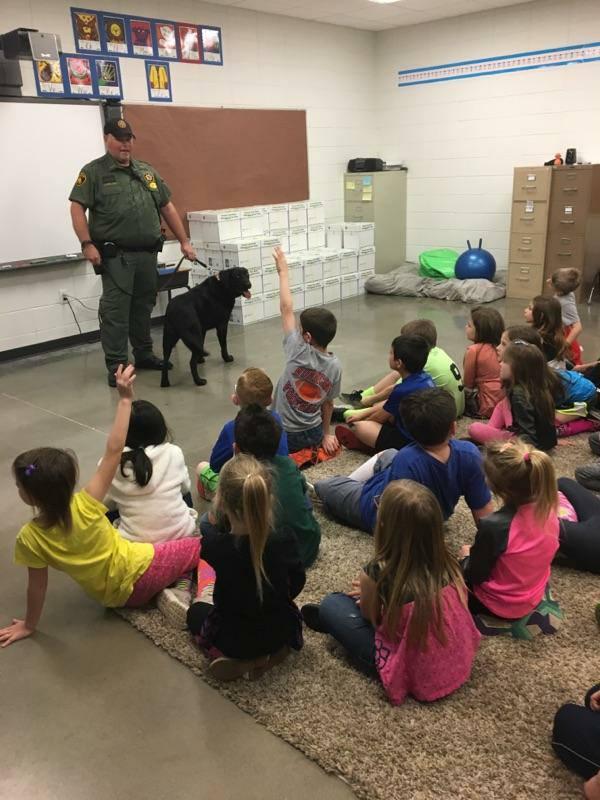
{"x":121,"y":123}
{"x":152,"y":185}
{"x":81,"y":179}
{"x":149,"y":177}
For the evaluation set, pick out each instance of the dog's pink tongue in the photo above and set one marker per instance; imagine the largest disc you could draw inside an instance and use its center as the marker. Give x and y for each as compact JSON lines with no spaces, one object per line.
{"x":247,"y":295}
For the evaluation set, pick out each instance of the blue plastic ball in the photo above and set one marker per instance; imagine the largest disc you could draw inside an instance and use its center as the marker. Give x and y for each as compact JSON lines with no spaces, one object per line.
{"x":475,"y":263}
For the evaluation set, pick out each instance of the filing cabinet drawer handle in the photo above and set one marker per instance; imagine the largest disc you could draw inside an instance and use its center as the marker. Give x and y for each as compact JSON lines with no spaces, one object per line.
{"x":527,"y":219}
{"x":528,"y":187}
{"x":525,"y":249}
{"x":567,"y":222}
{"x":564,"y":254}
{"x":570,"y":189}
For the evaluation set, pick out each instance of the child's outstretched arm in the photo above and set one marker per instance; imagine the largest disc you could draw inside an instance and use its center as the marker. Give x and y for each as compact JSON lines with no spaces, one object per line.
{"x":36,"y":594}
{"x":99,"y":485}
{"x":286,"y":304}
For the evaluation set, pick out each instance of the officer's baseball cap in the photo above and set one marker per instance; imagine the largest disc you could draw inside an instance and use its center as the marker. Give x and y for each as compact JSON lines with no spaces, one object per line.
{"x":118,"y":128}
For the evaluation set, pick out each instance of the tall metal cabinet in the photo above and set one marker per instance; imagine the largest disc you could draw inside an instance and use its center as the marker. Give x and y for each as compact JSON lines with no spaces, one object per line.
{"x":379,"y":197}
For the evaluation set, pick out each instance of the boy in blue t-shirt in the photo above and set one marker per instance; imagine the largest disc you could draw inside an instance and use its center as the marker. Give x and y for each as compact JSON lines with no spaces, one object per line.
{"x":253,"y":387}
{"x":449,"y":467}
{"x":379,"y":429}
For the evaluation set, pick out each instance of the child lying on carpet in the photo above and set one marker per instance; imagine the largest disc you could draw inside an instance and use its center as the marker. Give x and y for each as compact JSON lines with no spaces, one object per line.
{"x":70,"y":531}
{"x":448,"y":467}
{"x":406,"y":621}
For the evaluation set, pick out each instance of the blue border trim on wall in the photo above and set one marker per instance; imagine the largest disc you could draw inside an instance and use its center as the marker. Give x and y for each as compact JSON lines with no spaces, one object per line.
{"x":507,"y":58}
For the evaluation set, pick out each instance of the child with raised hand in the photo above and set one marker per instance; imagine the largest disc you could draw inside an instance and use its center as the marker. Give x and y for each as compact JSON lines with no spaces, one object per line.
{"x":508,"y":566}
{"x":528,"y":409}
{"x":253,"y":622}
{"x":481,"y":368}
{"x":148,"y":488}
{"x":70,"y":531}
{"x":545,"y":314}
{"x":565,"y":281}
{"x":407,"y":620}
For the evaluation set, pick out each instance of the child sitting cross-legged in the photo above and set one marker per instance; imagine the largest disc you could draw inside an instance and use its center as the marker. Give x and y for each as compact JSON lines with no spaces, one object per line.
{"x":379,"y":428}
{"x":253,"y":387}
{"x":481,"y":368}
{"x":406,"y":620}
{"x":450,"y":468}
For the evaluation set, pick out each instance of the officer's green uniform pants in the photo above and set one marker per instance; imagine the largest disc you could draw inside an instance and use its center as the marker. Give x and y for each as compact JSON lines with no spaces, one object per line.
{"x":129,"y":286}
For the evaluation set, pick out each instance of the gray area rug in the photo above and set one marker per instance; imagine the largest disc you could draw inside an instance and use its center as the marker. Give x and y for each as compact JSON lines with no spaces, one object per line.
{"x":407,"y":282}
{"x":491,"y":739}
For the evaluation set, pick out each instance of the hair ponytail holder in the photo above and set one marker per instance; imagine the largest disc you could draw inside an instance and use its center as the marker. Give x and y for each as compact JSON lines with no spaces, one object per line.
{"x":527,"y":456}
{"x":30,"y":469}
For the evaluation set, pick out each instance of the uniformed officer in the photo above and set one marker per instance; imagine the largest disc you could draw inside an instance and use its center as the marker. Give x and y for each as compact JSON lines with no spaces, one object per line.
{"x":126,"y":199}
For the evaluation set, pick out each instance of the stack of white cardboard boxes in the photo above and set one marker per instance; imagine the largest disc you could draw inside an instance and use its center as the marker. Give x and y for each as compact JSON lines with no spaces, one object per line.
{"x":327,"y":262}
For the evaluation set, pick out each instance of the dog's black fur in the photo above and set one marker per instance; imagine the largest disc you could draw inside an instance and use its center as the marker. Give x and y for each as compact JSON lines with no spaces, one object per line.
{"x":206,"y":306}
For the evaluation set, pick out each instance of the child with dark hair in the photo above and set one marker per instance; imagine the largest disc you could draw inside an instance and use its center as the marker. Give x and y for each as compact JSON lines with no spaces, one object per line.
{"x":565,"y":281}
{"x":545,"y":314}
{"x":449,"y":467}
{"x":481,"y":367}
{"x":381,"y":428}
{"x":147,"y":489}
{"x":311,"y":378}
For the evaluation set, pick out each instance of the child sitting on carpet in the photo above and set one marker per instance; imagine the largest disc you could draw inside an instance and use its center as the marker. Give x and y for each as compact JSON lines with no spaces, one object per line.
{"x":380,"y":428}
{"x":449,"y":467}
{"x":528,"y":408}
{"x":544,"y":313}
{"x":253,"y":386}
{"x":407,"y":619}
{"x":508,"y":566}
{"x":71,"y":533}
{"x":147,"y":491}
{"x":564,"y":281}
{"x":312,"y":375}
{"x":481,"y":367}
{"x":443,"y":371}
{"x":253,"y":622}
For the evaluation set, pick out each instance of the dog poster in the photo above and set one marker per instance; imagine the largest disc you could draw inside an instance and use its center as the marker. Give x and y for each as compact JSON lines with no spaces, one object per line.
{"x":166,"y":39}
{"x":108,"y":78}
{"x":79,"y":76}
{"x":86,"y":29}
{"x":212,"y":51}
{"x":49,"y":78}
{"x":158,"y":79}
{"x":140,"y":33}
{"x":189,"y":46}
{"x":115,"y":37}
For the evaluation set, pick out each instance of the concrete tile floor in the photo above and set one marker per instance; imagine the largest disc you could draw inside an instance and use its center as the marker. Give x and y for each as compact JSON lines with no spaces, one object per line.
{"x":89,"y":708}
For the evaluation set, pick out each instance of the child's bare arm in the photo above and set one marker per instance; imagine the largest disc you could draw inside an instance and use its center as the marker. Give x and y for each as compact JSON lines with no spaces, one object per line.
{"x":36,"y":594}
{"x":330,"y":443}
{"x":574,"y":332}
{"x":286,"y":304}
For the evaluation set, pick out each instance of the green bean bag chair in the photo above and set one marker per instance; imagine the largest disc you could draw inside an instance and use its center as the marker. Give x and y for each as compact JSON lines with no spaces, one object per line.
{"x":438,"y":263}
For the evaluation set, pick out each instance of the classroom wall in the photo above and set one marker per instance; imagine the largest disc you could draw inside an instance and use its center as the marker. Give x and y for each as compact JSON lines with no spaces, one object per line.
{"x":461,"y":139}
{"x":270,"y":62}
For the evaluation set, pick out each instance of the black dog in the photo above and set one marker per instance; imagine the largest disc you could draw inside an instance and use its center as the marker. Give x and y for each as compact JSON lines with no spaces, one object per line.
{"x":206,"y":306}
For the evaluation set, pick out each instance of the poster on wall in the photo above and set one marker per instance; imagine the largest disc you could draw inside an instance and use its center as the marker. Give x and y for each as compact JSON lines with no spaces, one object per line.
{"x":189,"y":46}
{"x":79,"y":76}
{"x":158,"y":78}
{"x":108,"y":77}
{"x":140,"y":34}
{"x":212,"y":51}
{"x":166,"y":39}
{"x":115,"y":35}
{"x":49,"y":78}
{"x":86,"y":29}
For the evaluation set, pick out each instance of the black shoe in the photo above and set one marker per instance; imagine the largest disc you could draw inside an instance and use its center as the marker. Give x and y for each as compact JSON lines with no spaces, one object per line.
{"x":112,"y":380}
{"x":310,"y":615}
{"x":337,"y":415}
{"x":353,"y":398}
{"x":152,"y":362}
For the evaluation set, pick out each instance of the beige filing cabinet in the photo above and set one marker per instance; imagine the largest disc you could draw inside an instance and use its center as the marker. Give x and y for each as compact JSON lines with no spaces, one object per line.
{"x":380,"y":197}
{"x":555,"y":223}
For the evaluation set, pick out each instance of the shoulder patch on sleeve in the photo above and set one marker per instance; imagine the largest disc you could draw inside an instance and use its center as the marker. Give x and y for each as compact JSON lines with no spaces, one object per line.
{"x":81,"y":179}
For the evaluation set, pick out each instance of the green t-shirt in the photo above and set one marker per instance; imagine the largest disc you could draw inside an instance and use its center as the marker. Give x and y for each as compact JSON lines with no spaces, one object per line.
{"x":446,"y":375}
{"x":123,"y":202}
{"x":292,"y":508}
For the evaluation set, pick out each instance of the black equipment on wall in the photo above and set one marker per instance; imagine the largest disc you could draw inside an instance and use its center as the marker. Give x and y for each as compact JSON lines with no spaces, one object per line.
{"x":366,"y":165}
{"x":571,"y":157}
{"x":10,"y":77}
{"x":28,"y":43}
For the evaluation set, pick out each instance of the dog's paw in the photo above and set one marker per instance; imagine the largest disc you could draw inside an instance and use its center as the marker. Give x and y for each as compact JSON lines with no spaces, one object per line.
{"x":164,"y":384}
{"x":200,"y":381}
{"x":227,"y":358}
{"x":205,"y":353}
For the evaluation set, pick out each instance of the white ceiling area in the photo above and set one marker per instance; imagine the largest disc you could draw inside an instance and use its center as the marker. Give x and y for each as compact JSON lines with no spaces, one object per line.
{"x":367,"y":15}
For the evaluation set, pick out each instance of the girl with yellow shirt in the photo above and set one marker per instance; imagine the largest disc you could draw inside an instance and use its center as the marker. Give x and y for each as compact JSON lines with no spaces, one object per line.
{"x":71,"y":533}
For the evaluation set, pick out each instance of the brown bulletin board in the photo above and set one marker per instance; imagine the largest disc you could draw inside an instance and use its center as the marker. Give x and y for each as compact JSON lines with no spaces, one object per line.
{"x":223,"y":157}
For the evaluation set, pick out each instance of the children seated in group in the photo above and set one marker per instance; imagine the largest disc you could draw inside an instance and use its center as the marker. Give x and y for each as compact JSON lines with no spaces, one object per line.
{"x":565,"y":281}
{"x":311,"y":378}
{"x":253,"y":386}
{"x":380,"y":428}
{"x":545,"y":315}
{"x":147,"y":491}
{"x":71,"y":533}
{"x":407,"y":620}
{"x":443,"y":371}
{"x":253,"y":622}
{"x":481,"y":367}
{"x":528,"y":409}
{"x":450,"y":468}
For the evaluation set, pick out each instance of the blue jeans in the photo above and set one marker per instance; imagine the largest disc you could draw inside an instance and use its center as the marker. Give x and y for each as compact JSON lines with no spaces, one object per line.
{"x":340,"y":615}
{"x":298,"y":440}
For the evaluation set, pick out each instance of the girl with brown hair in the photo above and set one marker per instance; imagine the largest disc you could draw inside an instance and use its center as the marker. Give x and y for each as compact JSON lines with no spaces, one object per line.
{"x":481,"y":367}
{"x":545,"y":314}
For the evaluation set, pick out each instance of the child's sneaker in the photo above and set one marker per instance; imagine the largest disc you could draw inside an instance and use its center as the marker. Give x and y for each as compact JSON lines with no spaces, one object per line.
{"x":230,"y":669}
{"x":311,"y":617}
{"x":203,"y":492}
{"x":173,"y":604}
{"x":353,"y":398}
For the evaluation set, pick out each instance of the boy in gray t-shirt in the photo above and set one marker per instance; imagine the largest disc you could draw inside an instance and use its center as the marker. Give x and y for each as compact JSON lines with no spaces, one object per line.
{"x":564,"y":281}
{"x":311,"y":378}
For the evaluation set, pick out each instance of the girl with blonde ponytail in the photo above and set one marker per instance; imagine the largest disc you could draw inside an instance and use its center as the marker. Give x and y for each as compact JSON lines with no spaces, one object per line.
{"x":253,"y":622}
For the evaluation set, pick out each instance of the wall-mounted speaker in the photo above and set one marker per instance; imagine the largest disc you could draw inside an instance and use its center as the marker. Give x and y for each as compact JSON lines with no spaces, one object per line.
{"x":27,"y":43}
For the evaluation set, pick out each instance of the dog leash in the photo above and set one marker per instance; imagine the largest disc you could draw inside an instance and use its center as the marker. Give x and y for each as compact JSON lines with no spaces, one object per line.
{"x":176,"y":270}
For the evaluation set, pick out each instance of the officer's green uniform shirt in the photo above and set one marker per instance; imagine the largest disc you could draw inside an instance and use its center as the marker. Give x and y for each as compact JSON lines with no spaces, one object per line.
{"x":122,"y":201}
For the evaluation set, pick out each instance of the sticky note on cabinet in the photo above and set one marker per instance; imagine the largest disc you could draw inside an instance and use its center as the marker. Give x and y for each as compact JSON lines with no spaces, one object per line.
{"x":531,"y":177}
{"x":367,"y":180}
{"x":350,"y":186}
{"x":367,"y":197}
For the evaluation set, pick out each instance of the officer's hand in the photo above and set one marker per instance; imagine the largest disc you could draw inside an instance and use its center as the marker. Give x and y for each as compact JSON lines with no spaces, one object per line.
{"x":188,"y":251}
{"x":91,"y":252}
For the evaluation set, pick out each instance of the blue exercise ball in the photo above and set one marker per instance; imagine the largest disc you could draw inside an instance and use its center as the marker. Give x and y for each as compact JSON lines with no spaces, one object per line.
{"x":475,"y":263}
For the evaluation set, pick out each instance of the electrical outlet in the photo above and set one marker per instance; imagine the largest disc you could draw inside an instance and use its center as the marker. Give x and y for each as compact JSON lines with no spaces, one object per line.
{"x":62,"y":296}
